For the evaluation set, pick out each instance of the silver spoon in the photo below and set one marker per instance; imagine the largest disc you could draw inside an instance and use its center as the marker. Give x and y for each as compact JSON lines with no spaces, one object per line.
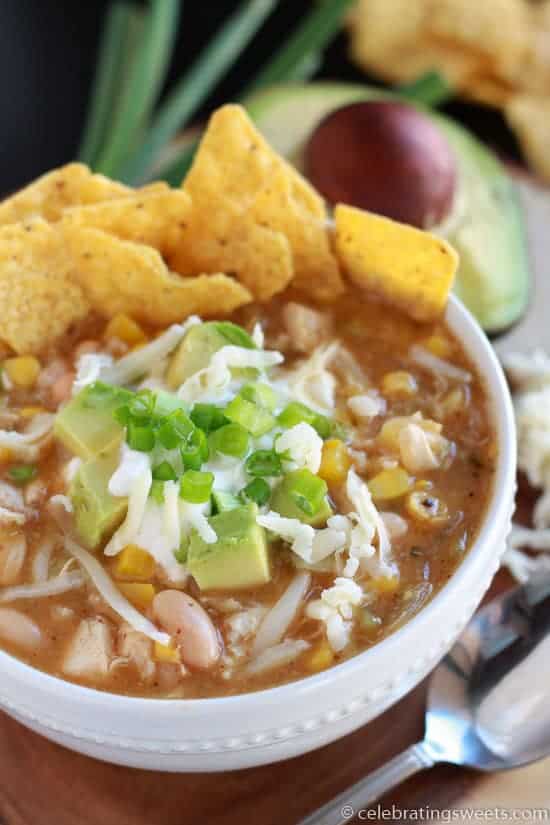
{"x":488,"y":701}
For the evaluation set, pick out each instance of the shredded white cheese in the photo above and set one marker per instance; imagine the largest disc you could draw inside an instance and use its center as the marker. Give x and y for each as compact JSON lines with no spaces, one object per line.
{"x":335,"y":609}
{"x":128,"y":531}
{"x":210,"y":383}
{"x":367,"y":405}
{"x":310,"y":382}
{"x":90,"y":367}
{"x":304,"y":446}
{"x":367,"y":524}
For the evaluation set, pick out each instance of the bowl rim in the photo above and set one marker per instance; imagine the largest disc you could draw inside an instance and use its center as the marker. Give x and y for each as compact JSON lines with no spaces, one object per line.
{"x":498,"y":512}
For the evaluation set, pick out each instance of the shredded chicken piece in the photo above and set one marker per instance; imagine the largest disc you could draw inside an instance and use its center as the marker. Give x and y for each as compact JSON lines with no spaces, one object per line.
{"x":137,"y":649}
{"x":90,"y":651}
{"x":307,"y":328}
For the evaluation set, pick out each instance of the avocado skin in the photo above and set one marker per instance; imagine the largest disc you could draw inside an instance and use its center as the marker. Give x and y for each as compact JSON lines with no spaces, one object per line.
{"x":238,"y":559}
{"x":97,"y":513}
{"x":487,"y":228}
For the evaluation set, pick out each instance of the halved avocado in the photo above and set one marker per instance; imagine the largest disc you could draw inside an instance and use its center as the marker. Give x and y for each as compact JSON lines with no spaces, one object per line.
{"x":486,"y":223}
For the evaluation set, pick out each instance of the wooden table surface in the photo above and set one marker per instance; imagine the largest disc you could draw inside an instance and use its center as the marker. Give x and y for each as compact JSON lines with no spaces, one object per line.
{"x":44,"y":784}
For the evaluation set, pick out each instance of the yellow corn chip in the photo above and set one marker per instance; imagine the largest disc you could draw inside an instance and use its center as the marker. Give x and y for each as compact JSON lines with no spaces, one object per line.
{"x":409,"y":268}
{"x":155,"y":216}
{"x":39,"y":302}
{"x":497,"y":29}
{"x":249,"y":208}
{"x":49,"y":195}
{"x":124,"y":277}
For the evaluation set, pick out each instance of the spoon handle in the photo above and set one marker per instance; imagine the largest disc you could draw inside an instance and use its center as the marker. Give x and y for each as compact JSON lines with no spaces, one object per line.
{"x":343,"y":808}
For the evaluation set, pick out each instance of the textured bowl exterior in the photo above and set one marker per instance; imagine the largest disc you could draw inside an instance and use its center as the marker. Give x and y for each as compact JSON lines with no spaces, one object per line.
{"x":266,"y":726}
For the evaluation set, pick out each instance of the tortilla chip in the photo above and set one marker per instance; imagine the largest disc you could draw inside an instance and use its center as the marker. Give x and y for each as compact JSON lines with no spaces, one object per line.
{"x":529,"y":117}
{"x":49,"y":195}
{"x":409,"y":268}
{"x":381,"y":29}
{"x":155,"y":216}
{"x":124,"y":277}
{"x":39,"y":301}
{"x":497,"y":29}
{"x":243,"y":191}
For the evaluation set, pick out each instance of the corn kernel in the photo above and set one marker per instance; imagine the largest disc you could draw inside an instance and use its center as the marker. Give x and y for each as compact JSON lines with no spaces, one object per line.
{"x":6,"y":455}
{"x":125,"y":329}
{"x":385,"y":585}
{"x":438,"y":345}
{"x":454,"y":402}
{"x":30,"y":412}
{"x":423,"y":484}
{"x":139,"y":594}
{"x":390,"y":484}
{"x":335,"y":461}
{"x":134,"y":563}
{"x":23,"y":370}
{"x":388,"y":437}
{"x":399,"y":384}
{"x":319,"y":658}
{"x":426,"y":508}
{"x":167,"y":654}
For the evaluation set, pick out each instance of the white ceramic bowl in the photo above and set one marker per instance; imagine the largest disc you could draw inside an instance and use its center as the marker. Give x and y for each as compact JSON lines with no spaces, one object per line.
{"x":256,"y":728}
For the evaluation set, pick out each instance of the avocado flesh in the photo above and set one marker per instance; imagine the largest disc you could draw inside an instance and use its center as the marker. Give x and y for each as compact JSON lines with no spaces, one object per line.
{"x":194,"y":353}
{"x":88,"y":430}
{"x":487,"y":228}
{"x":282,"y":503}
{"x":97,"y":513}
{"x":238,"y":559}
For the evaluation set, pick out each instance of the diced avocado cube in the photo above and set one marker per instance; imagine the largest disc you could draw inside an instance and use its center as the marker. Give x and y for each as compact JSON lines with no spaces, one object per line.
{"x":86,"y":425}
{"x":97,"y":513}
{"x":238,"y":559}
{"x":194,"y":353}
{"x":198,"y":347}
{"x":282,"y":503}
{"x":224,"y":501}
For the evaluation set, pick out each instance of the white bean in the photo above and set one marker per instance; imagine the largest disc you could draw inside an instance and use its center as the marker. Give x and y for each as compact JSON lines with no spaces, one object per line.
{"x":190,"y":625}
{"x":18,"y":629}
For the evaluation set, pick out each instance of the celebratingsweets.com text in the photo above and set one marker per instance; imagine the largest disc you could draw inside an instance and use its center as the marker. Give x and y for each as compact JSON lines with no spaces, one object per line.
{"x":426,"y":813}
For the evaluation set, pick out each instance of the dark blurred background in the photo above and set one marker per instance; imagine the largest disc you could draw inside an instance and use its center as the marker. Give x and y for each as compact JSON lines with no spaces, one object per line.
{"x":47,"y":55}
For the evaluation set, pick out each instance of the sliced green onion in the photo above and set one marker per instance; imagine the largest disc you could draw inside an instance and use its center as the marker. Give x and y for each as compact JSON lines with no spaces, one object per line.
{"x":166,"y":403}
{"x":234,"y":334}
{"x":194,"y":451}
{"x":99,"y":395}
{"x":430,"y":89}
{"x":307,"y":491}
{"x":264,"y":463}
{"x":164,"y":472}
{"x":22,"y":473}
{"x":208,"y":417}
{"x":261,"y":394}
{"x":312,"y":35}
{"x":175,"y":428}
{"x":296,"y":413}
{"x":182,"y":551}
{"x":113,"y":53}
{"x":157,"y":492}
{"x":140,"y":437}
{"x":232,"y":439}
{"x":142,"y":404}
{"x":197,"y":84}
{"x":146,"y":75}
{"x":196,"y":487}
{"x":222,"y":501}
{"x":258,"y":490}
{"x":253,"y":418}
